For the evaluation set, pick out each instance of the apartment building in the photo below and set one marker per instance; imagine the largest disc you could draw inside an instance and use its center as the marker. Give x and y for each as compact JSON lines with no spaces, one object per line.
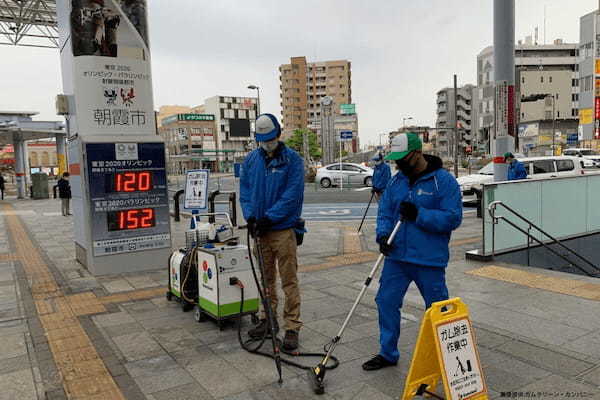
{"x":446,"y":118}
{"x":304,"y":84}
{"x":540,"y":69}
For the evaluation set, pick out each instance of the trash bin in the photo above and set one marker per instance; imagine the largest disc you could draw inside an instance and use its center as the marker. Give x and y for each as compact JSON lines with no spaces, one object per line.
{"x":39,"y":186}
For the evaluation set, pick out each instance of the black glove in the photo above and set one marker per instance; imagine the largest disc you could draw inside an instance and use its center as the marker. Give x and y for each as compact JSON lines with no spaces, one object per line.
{"x":251,"y":226}
{"x":263,"y":225}
{"x":408,"y":211}
{"x":384,"y":248}
{"x":373,"y":190}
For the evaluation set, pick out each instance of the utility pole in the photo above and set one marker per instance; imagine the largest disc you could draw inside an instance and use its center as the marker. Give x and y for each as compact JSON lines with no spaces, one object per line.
{"x":455,"y":129}
{"x":553,"y":126}
{"x":504,"y":75}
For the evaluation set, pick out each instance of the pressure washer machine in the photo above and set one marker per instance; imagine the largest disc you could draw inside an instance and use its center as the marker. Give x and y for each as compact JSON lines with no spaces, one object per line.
{"x":220,"y":268}
{"x":204,"y":274}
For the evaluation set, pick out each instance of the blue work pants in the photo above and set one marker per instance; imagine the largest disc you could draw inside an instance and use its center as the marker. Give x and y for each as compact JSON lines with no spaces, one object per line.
{"x":393,"y":284}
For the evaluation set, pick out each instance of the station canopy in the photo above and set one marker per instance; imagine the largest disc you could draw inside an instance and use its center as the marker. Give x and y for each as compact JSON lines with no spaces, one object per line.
{"x":29,"y":23}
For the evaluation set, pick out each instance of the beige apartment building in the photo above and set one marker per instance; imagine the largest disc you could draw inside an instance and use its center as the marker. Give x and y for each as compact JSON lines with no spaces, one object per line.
{"x":304,"y":84}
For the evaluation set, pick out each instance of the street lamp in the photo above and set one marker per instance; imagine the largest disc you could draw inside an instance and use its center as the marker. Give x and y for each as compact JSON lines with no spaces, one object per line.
{"x":404,"y":121}
{"x":254,"y":87}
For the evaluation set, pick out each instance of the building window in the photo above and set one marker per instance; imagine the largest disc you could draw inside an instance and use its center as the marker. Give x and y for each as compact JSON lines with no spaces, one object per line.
{"x":550,"y":78}
{"x":556,"y":97}
{"x":541,"y":79}
{"x":523,"y":79}
{"x":557,"y":114}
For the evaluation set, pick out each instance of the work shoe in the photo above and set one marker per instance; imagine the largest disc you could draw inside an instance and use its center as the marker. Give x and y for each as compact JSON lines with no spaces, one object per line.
{"x":259,"y":330}
{"x":377,"y":362}
{"x":290,"y":340}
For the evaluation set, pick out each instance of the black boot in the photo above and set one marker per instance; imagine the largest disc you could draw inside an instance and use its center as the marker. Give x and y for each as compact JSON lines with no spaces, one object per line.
{"x":377,"y":362}
{"x":259,"y":330}
{"x":290,"y":340}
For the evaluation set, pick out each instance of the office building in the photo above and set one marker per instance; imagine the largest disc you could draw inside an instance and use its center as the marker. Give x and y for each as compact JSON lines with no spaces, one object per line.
{"x":589,"y":82}
{"x":190,"y":142}
{"x":540,"y":69}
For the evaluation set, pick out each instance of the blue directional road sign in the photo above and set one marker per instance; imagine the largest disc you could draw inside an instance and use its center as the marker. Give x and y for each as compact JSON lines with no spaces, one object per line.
{"x":345,"y":135}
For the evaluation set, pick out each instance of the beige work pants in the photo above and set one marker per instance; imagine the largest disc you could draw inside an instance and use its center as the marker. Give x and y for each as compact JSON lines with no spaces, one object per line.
{"x":279,"y":253}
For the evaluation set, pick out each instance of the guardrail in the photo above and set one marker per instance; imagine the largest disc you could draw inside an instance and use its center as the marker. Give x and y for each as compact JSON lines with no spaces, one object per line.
{"x":495,"y":218}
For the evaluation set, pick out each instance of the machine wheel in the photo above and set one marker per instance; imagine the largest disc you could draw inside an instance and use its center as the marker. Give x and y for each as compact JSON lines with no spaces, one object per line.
{"x":199,"y":315}
{"x":325,"y":182}
{"x":368,"y":181}
{"x":185,"y":306}
{"x":255,"y":320}
{"x":169,"y":296}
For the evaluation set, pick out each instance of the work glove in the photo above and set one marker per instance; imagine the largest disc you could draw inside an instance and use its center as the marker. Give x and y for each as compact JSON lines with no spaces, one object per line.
{"x":251,"y":226}
{"x":384,"y":248}
{"x":408,"y":211}
{"x":373,"y":190}
{"x":263,"y":225}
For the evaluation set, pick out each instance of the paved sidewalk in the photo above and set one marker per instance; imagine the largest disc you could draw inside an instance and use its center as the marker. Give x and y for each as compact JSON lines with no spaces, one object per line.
{"x":67,"y":334}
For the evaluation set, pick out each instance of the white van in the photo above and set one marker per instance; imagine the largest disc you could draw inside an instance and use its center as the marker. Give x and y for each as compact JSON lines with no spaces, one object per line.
{"x":536,"y":167}
{"x":590,"y":157}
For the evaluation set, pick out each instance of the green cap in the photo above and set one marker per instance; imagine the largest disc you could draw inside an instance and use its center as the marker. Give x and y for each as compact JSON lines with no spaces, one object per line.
{"x":507,"y":155}
{"x":403,"y":144}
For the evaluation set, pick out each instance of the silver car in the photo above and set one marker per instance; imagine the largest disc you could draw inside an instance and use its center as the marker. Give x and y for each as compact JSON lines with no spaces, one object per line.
{"x":354,"y":174}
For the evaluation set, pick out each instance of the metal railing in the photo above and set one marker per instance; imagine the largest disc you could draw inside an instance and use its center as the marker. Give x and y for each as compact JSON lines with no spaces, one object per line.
{"x":495,"y":218}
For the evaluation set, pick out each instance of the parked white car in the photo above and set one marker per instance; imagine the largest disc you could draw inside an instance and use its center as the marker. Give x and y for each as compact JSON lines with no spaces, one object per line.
{"x":354,"y":174}
{"x":536,"y":167}
{"x":591,"y":159}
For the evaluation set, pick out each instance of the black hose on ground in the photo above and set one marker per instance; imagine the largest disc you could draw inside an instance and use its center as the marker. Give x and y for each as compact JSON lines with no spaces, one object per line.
{"x":256,"y":349}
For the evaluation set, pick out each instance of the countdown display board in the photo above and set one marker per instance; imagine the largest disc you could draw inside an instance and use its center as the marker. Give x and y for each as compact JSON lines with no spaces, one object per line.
{"x":128,"y":197}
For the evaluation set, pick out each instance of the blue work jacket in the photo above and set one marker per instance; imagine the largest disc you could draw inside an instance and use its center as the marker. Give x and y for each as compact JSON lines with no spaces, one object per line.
{"x":273,"y":188}
{"x":381,"y":176}
{"x":437,"y":198}
{"x":516,"y":170}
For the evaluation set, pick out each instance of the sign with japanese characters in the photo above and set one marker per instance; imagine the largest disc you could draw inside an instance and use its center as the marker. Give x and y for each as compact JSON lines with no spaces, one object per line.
{"x":446,"y":351}
{"x":128,"y":197}
{"x":461,"y":364}
{"x":505,"y":109}
{"x":196,"y":189}
{"x":111,"y":67}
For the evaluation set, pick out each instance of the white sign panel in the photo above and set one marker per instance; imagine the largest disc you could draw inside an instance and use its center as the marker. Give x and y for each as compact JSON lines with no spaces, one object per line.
{"x":196,"y":189}
{"x":501,"y":104}
{"x":126,"y":151}
{"x":111,"y":67}
{"x":461,"y":363}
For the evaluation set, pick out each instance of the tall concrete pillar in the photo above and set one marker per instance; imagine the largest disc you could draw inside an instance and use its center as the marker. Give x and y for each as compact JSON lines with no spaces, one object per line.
{"x":504,"y":76}
{"x":19,"y":146}
{"x":61,"y":153}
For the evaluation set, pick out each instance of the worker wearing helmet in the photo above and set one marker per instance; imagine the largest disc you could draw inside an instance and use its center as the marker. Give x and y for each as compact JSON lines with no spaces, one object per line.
{"x":516,"y":169}
{"x":271,"y":196}
{"x":381,"y":175}
{"x":427,"y":199}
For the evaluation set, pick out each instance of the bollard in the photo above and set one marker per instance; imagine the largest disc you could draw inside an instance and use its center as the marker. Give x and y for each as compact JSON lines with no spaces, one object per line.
{"x":176,"y":207}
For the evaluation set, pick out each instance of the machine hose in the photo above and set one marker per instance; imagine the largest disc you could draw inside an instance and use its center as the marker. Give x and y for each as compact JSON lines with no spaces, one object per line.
{"x":246,"y":345}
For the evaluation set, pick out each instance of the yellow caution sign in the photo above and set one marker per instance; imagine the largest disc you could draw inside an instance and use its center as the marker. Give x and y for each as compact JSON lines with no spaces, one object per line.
{"x":446,"y":351}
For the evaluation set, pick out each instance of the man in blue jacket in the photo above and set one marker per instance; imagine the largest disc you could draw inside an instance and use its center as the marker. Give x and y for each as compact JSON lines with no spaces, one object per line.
{"x":271,"y":196}
{"x":516,"y":169}
{"x":381,"y":175}
{"x":427,"y":200}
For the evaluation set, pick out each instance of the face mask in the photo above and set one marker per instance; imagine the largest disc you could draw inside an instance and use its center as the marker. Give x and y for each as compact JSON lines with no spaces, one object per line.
{"x":405,"y":167}
{"x":269,"y":146}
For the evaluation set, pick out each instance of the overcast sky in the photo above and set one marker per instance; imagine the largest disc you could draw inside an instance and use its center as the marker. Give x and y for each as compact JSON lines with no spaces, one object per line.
{"x":402,"y":51}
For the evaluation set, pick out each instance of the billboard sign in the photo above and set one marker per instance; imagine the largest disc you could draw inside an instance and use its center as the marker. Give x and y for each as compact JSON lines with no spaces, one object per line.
{"x":505,"y":110}
{"x":111,"y":67}
{"x":348,"y":109}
